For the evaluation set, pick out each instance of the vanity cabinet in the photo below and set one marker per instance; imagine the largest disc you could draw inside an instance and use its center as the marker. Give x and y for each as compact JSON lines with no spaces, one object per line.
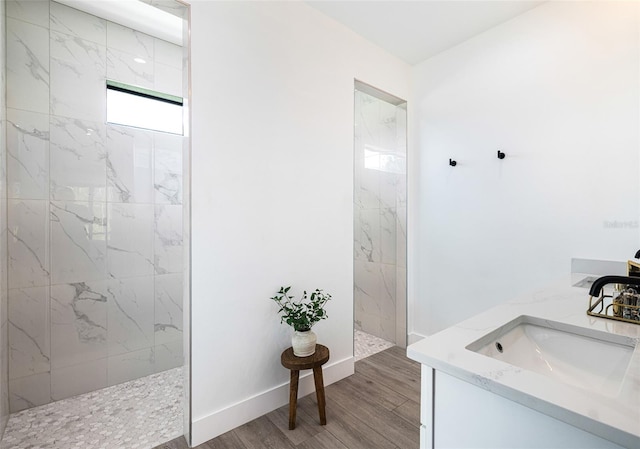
{"x":457,"y":414}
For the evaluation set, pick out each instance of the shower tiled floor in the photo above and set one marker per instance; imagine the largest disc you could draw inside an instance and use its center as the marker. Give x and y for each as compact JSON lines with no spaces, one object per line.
{"x":139,"y":414}
{"x":367,"y":344}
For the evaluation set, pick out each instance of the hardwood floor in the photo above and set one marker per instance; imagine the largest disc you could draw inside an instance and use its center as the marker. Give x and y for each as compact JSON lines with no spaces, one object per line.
{"x":376,"y":408}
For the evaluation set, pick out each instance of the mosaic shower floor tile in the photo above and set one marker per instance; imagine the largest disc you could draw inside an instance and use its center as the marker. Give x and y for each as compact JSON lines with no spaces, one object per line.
{"x":367,"y":344}
{"x":139,"y":414}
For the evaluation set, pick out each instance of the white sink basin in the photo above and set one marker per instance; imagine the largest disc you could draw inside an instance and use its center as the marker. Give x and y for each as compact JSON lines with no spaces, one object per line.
{"x":593,"y":360}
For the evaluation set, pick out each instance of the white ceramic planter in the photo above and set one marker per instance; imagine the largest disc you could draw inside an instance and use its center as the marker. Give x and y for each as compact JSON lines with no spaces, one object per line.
{"x":303,"y":343}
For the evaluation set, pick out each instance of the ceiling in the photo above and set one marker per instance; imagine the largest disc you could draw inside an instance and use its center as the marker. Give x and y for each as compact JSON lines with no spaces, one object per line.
{"x":416,"y":30}
{"x":412,"y":30}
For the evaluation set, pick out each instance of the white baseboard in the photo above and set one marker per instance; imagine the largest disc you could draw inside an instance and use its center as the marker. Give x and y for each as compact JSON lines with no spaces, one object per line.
{"x":413,"y":338}
{"x":229,"y":418}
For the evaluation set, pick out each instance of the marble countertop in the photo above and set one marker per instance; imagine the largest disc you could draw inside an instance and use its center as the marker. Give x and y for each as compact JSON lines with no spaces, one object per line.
{"x":616,"y":419}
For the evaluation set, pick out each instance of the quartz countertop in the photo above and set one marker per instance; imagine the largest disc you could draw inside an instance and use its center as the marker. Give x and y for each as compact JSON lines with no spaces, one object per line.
{"x":616,"y":419}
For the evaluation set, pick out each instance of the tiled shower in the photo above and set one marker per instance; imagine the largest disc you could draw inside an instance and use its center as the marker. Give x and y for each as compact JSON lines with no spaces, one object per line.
{"x":380,"y":210}
{"x":94,"y":210}
{"x":4,"y":323}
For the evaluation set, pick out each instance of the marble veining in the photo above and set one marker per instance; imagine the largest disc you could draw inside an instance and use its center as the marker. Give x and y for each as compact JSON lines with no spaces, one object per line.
{"x":29,"y":391}
{"x":617,"y":418}
{"x":115,"y":188}
{"x":379,"y":237}
{"x":375,"y":299}
{"x":130,"y":365}
{"x":129,"y":165}
{"x":130,"y":41}
{"x":78,"y":323}
{"x":75,"y":23}
{"x":78,"y":168}
{"x":168,"y":308}
{"x":129,"y":244}
{"x":368,"y":235}
{"x":388,"y":285}
{"x":388,"y":236}
{"x":78,"y":69}
{"x":35,"y":12}
{"x":95,"y":211}
{"x":29,"y":337}
{"x":78,"y":241}
{"x":27,"y":154}
{"x":169,"y":355}
{"x":4,"y":324}
{"x":168,"y":168}
{"x":168,"y":187}
{"x":367,"y":187}
{"x":123,"y":67}
{"x":17,"y":353}
{"x":130,"y":314}
{"x":168,"y":239}
{"x":27,"y":66}
{"x":401,"y":237}
{"x":28,"y":243}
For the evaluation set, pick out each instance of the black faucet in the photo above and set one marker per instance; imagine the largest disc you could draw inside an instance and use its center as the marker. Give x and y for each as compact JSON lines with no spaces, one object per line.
{"x":597,"y":285}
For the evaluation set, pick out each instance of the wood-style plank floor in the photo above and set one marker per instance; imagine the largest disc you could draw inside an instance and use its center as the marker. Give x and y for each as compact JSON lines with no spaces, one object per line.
{"x":377,"y":407}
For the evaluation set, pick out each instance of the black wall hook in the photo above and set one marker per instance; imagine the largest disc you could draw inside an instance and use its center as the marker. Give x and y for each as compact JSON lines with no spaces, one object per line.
{"x":452,"y":162}
{"x":501,"y":155}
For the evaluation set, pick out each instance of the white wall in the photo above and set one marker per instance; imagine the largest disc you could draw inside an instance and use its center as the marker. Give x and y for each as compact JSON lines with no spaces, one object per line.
{"x":557,"y":90}
{"x":272,"y":194}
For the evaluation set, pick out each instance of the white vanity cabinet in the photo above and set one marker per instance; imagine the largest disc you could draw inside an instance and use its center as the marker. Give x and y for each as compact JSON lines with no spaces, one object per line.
{"x":457,"y":414}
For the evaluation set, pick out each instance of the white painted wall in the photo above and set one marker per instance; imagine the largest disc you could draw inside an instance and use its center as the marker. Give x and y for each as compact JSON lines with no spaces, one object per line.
{"x":272,"y":194}
{"x":557,"y":90}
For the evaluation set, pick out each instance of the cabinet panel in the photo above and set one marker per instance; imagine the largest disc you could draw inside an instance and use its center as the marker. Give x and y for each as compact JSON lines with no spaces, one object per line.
{"x":427,"y":376}
{"x":468,"y":416}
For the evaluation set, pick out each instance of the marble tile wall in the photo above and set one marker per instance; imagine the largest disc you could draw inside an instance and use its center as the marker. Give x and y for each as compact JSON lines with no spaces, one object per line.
{"x":94,"y":209}
{"x":380,"y":215}
{"x":4,"y":323}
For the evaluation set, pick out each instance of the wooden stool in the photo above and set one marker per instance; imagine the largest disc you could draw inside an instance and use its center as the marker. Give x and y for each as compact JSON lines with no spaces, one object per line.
{"x":295,"y":364}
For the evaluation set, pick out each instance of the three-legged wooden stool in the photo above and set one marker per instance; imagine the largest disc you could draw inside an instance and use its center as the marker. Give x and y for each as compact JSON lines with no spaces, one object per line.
{"x":295,"y":364}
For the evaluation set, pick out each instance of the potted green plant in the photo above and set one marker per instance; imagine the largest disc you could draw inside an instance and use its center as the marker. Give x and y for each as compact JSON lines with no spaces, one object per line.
{"x":302,"y":314}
